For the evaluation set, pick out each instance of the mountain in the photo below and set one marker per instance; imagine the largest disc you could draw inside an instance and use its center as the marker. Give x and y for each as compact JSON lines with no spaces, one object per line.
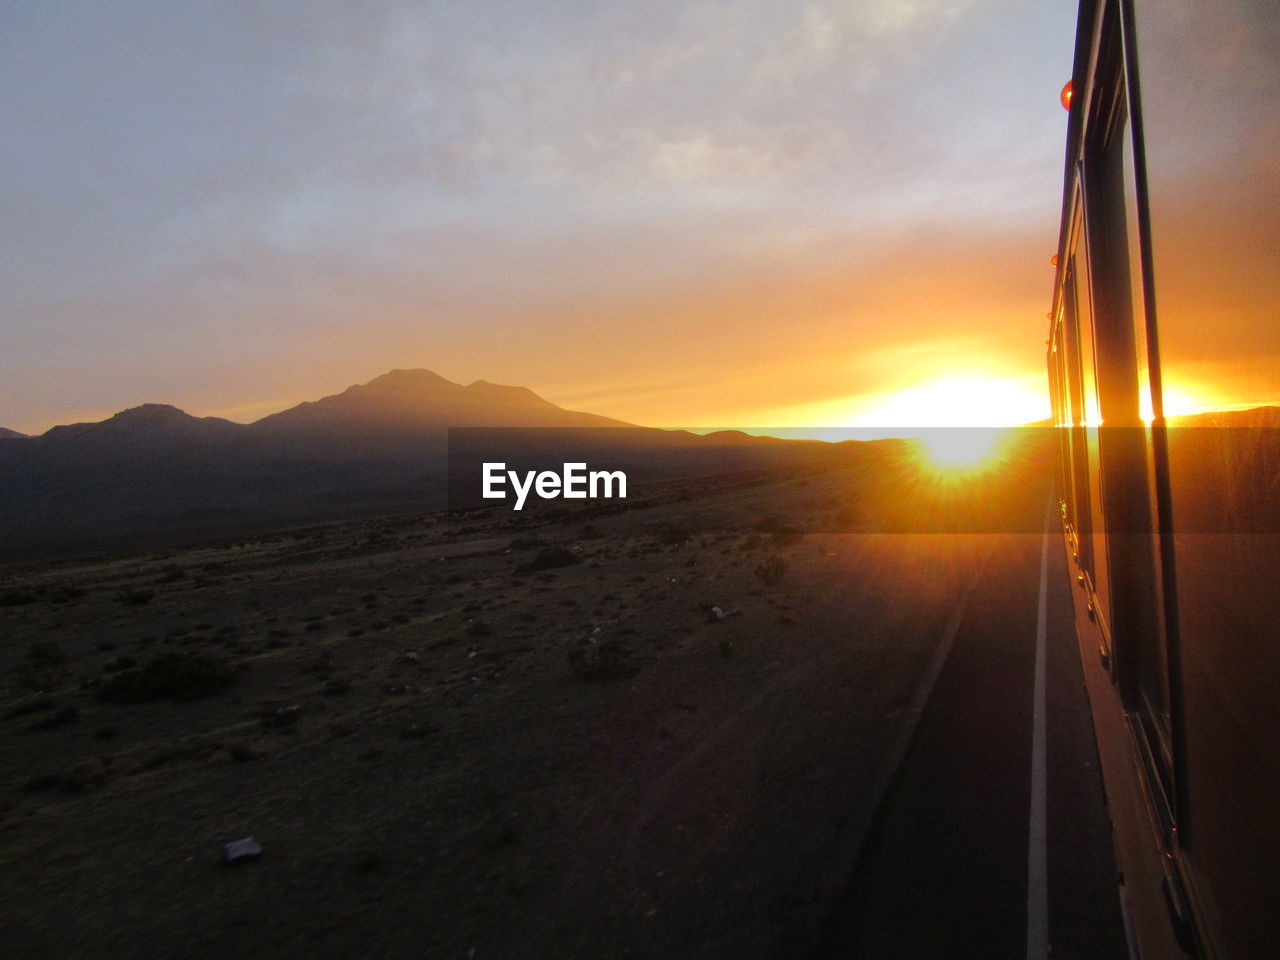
{"x":7,"y":434}
{"x":154,"y":471}
{"x":147,"y":425}
{"x":414,"y":399}
{"x":1255,"y":418}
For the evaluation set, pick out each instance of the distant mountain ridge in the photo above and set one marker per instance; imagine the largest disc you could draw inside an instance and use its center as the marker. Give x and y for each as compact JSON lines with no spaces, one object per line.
{"x":146,"y":420}
{"x":423,"y":398}
{"x":414,"y":397}
{"x":378,"y":447}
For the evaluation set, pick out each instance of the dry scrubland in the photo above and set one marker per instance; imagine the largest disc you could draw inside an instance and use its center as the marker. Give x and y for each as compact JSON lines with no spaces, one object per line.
{"x":450,"y":744}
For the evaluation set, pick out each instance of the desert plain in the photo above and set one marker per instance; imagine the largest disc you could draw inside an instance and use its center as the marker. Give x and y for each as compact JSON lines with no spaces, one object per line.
{"x":657,"y":728}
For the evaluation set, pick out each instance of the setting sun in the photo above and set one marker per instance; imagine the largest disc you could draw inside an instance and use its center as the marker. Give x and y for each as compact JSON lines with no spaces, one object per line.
{"x":958,"y":425}
{"x":959,"y":402}
{"x":960,"y":450}
{"x":1180,"y":399}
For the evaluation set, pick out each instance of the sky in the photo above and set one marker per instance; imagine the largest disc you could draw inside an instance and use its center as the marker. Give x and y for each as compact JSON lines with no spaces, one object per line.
{"x":729,"y":213}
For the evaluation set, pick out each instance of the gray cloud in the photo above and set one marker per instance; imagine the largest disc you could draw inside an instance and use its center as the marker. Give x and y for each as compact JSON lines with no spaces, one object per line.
{"x":181,"y":179}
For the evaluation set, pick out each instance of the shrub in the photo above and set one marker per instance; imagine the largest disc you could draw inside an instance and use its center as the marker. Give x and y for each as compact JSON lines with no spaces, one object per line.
{"x":242,"y":752}
{"x":550,"y":559}
{"x":45,"y":781}
{"x":785,"y":537}
{"x":172,"y":573}
{"x":673,"y":536}
{"x":37,"y":704}
{"x":772,"y":570}
{"x":42,"y":667}
{"x":281,"y":718}
{"x":87,"y":772}
{"x":122,"y":662}
{"x":607,"y":659}
{"x":58,"y":718}
{"x":777,"y":532}
{"x":169,"y":676}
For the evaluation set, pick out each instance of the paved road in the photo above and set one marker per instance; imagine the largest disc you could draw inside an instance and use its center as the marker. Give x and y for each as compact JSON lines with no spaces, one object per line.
{"x":947,"y":868}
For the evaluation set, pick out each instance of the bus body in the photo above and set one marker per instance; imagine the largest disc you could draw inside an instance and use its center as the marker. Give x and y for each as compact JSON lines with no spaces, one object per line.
{"x":1166,"y":286}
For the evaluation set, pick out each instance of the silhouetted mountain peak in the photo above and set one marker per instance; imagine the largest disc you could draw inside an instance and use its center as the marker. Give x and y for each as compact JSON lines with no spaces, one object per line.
{"x":151,"y":414}
{"x":406,"y":382}
{"x":426,"y":385}
{"x":417,"y":399}
{"x":164,"y":417}
{"x":505,"y":394}
{"x":160,"y":419}
{"x":397,"y":407}
{"x":402,"y":390}
{"x":7,"y":434}
{"x":375,"y":448}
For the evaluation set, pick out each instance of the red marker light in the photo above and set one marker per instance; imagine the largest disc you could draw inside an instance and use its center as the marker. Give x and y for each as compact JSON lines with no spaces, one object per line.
{"x":1054,"y":260}
{"x":1066,"y":96}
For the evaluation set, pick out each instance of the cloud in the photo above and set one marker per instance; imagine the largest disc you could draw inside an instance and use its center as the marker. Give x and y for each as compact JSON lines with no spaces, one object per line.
{"x":245,"y":190}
